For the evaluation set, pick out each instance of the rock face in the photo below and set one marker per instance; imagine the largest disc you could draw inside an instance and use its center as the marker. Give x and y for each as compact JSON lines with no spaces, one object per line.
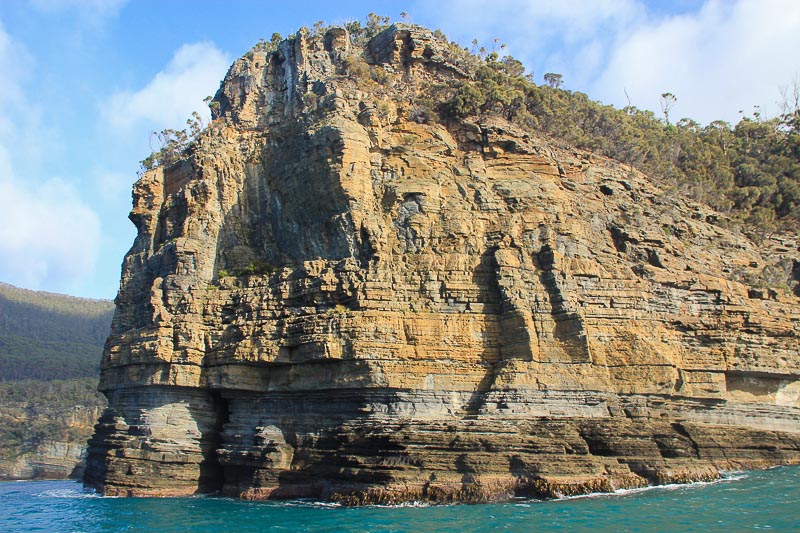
{"x":329,"y":299}
{"x":55,"y":440}
{"x":51,"y":460}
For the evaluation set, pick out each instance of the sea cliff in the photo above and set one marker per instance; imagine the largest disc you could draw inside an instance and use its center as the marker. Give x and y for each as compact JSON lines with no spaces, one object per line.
{"x":333,"y":295}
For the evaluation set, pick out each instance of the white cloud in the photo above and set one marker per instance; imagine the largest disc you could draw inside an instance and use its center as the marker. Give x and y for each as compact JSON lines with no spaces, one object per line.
{"x":24,"y":132}
{"x":169,"y":99}
{"x":726,"y":57}
{"x":717,"y":58}
{"x":48,"y":237}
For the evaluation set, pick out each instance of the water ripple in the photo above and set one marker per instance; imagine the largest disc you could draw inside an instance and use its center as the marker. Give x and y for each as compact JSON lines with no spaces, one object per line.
{"x":768,"y":500}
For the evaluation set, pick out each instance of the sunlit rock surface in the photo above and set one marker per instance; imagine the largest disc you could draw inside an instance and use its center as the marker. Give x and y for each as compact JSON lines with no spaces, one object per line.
{"x":329,"y":299}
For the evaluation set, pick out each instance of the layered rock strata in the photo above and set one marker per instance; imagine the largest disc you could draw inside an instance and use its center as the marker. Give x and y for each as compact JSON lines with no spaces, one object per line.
{"x":50,"y":460}
{"x":328,"y":299}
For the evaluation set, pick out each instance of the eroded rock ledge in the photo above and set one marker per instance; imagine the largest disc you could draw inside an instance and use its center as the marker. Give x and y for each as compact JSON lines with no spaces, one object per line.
{"x":329,"y":299}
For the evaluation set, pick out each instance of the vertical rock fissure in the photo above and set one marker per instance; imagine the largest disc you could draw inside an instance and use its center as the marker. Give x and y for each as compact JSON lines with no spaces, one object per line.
{"x":568,"y":329}
{"x":211,"y":471}
{"x":491,"y":294}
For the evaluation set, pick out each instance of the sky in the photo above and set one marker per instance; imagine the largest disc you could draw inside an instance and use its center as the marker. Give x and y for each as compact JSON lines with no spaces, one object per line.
{"x":84,"y":82}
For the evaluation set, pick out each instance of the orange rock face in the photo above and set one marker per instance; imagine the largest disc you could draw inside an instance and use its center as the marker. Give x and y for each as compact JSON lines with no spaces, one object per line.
{"x":329,"y":299}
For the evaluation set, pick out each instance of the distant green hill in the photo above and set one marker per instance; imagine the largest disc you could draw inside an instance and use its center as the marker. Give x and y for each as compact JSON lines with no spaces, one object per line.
{"x":50,"y":351}
{"x":46,"y":336}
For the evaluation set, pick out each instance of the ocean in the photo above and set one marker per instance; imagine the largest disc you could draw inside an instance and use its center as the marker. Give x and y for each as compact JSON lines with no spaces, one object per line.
{"x":765,"y":500}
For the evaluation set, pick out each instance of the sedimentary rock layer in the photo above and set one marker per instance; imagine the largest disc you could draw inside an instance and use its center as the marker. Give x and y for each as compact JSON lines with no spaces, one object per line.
{"x":51,"y":460}
{"x":329,"y":299}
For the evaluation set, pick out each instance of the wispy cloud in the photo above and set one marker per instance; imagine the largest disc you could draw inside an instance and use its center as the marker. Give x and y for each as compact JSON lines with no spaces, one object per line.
{"x":728,"y":56}
{"x":48,"y":236}
{"x":171,"y":96}
{"x":15,"y":63}
{"x":718,"y":58}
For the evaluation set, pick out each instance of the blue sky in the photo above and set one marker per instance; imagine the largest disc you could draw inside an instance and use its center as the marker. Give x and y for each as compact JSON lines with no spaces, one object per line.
{"x":83,"y":82}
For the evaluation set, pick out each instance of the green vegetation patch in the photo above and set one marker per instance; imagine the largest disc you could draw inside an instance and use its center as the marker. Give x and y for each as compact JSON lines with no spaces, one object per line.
{"x":750,"y":171}
{"x":33,"y":413}
{"x":50,"y":336}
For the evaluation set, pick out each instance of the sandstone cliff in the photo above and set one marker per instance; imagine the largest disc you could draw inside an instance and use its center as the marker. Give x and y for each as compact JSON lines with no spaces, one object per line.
{"x":332,"y":296}
{"x":44,"y":426}
{"x":51,"y":460}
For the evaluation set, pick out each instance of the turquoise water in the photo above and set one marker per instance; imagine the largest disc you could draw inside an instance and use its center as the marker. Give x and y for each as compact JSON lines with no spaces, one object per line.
{"x":767,"y":500}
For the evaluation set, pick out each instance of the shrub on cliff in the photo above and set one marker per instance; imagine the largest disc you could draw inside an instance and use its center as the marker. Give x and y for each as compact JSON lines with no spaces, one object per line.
{"x":172,"y":144}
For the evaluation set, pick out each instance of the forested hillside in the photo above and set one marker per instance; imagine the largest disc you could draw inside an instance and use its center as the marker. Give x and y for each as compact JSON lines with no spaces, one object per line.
{"x":50,"y":336}
{"x":50,"y":350}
